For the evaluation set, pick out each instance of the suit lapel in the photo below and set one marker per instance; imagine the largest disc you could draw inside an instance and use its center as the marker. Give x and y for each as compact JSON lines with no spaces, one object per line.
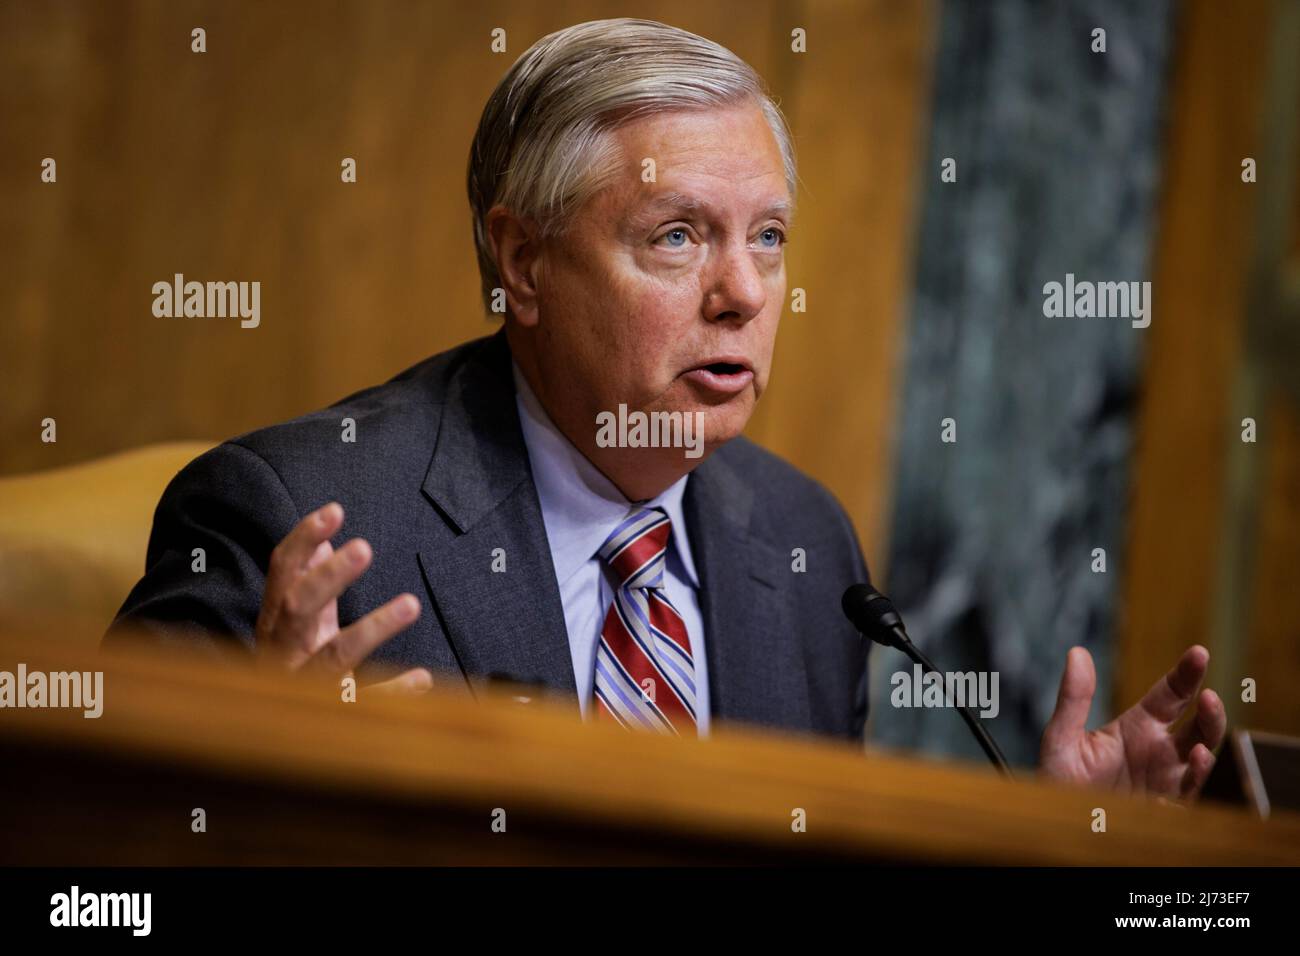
{"x":757,"y":673}
{"x":510,"y":624}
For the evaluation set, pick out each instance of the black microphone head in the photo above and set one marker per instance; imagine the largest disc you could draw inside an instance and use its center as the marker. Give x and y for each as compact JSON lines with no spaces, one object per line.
{"x":872,"y":614}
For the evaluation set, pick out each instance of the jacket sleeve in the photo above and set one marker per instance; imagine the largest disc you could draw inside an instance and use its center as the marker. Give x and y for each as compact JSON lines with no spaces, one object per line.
{"x":213,"y":532}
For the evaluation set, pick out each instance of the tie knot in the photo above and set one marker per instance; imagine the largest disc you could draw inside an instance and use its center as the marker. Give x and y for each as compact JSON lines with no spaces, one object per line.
{"x":635,"y":549}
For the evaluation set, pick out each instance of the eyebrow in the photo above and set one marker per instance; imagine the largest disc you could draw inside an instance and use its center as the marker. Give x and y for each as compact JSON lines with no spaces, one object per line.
{"x":678,"y":202}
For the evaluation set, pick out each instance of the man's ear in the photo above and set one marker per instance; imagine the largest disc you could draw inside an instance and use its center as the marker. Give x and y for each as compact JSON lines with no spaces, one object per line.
{"x":516,"y":246}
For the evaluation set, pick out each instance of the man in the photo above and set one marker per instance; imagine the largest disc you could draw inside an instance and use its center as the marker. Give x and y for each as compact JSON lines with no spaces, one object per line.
{"x":499,"y":532}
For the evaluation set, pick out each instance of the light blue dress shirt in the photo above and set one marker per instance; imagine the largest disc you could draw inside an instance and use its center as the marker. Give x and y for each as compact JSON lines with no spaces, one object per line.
{"x":580,"y":507}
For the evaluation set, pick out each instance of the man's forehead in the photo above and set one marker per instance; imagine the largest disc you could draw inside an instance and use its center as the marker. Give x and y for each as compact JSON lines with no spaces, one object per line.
{"x":693,"y":150}
{"x":684,"y":202}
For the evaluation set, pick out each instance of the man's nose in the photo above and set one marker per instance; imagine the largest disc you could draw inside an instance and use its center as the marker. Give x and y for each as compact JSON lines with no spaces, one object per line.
{"x":736,"y":292}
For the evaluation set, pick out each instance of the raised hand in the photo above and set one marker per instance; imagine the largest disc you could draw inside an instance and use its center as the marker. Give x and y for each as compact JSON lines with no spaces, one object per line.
{"x":1137,"y":752}
{"x":298,"y":624}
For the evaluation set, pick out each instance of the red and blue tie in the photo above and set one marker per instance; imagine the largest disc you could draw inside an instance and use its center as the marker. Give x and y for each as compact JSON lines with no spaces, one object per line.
{"x":645,"y":675}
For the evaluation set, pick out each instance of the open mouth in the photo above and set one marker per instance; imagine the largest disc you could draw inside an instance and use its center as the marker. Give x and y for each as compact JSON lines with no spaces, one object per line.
{"x":725,"y":378}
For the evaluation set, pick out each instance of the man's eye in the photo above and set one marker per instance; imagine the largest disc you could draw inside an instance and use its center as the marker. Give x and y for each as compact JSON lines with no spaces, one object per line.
{"x":772,"y":238}
{"x":676,"y":238}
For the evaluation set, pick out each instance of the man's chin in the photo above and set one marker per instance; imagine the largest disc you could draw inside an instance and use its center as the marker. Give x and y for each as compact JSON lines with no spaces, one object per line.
{"x":722,"y":418}
{"x":722,"y":423}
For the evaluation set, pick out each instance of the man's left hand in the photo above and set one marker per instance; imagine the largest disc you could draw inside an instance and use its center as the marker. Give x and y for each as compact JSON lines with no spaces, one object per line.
{"x":1137,"y":752}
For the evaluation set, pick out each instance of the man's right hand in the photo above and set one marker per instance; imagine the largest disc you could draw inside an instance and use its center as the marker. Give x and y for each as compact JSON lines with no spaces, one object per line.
{"x":298,"y":625}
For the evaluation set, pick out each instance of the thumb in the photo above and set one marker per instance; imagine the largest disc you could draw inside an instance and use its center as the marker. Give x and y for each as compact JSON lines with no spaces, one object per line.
{"x":415,"y":681}
{"x":1073,"y":700}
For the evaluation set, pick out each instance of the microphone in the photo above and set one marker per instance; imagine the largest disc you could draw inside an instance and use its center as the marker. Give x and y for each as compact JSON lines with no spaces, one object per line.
{"x":875,"y":616}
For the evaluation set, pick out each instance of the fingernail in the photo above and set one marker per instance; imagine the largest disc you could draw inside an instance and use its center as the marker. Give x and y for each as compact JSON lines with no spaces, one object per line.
{"x":408,"y":608}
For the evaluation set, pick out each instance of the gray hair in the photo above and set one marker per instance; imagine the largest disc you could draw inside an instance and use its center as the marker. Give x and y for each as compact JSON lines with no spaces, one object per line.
{"x":543,"y":147}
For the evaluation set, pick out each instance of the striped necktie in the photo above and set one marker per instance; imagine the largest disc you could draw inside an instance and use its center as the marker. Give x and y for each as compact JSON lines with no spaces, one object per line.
{"x":645,"y":676}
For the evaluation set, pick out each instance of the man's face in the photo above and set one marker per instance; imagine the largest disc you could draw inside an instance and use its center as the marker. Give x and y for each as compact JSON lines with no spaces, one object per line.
{"x":665,"y":295}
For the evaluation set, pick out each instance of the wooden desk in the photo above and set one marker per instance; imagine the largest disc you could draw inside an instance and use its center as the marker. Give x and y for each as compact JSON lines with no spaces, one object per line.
{"x":288,"y":773}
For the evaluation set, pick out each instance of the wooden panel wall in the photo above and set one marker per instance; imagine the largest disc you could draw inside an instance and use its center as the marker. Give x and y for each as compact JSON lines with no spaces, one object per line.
{"x":860,"y":115}
{"x":1213,"y":522}
{"x":225,"y":166}
{"x":1272,"y":651}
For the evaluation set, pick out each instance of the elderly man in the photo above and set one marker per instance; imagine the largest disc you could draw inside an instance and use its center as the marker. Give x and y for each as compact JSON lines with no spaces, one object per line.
{"x":632,"y":186}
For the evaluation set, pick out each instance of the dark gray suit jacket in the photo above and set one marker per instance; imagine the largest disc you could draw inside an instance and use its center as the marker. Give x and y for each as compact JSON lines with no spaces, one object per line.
{"x":438,"y":478}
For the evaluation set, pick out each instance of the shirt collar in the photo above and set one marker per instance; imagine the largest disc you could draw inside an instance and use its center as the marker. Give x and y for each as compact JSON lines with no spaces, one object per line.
{"x":580,"y":506}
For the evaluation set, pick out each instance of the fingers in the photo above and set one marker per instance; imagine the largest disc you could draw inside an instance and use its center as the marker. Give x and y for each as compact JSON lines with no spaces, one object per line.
{"x":358,"y":640}
{"x":291,"y":556}
{"x":415,"y":681}
{"x":307,"y":596}
{"x":323,"y":551}
{"x":1199,"y":765}
{"x":1206,"y":727}
{"x":282,"y":637}
{"x":305,"y":578}
{"x":306,"y":575}
{"x":1172,"y":693}
{"x":1212,"y":718}
{"x":1073,"y":700}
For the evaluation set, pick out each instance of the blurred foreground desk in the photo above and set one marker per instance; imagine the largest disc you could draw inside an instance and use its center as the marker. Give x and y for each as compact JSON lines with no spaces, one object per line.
{"x":286,"y":772}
